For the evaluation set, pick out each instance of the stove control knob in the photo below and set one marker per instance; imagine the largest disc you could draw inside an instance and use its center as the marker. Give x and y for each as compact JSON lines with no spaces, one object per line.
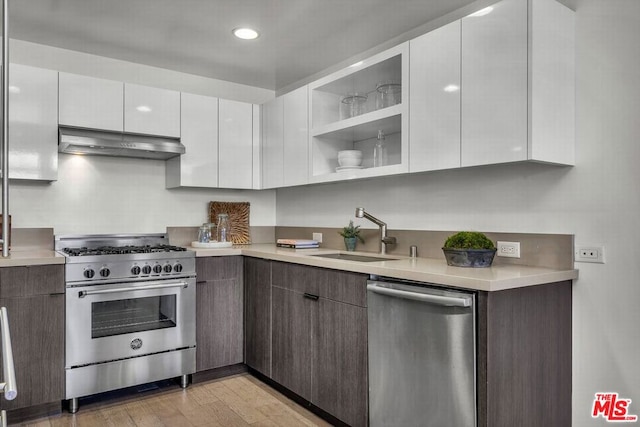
{"x":146,"y":269}
{"x":157,"y":268}
{"x":104,"y":272}
{"x":167,"y":268}
{"x":89,"y":273}
{"x":135,"y":270}
{"x":177,"y":268}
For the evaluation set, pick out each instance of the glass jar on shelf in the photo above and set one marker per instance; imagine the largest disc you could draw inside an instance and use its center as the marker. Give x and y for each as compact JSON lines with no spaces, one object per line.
{"x":388,"y":94}
{"x":352,"y":105}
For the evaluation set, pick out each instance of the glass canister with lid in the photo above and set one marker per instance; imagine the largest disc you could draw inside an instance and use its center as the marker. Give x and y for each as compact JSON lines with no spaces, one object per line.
{"x":204,"y":233}
{"x":224,"y":228}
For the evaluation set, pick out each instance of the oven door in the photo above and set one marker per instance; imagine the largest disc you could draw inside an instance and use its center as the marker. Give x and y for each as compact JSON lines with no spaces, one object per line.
{"x":116,"y":321}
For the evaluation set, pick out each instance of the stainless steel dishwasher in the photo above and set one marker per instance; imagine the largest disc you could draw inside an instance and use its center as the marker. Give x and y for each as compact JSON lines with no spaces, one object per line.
{"x":422,"y":367}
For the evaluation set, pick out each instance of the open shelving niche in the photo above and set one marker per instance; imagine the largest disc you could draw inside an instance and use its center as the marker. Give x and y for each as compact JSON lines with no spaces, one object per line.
{"x":329,"y":134}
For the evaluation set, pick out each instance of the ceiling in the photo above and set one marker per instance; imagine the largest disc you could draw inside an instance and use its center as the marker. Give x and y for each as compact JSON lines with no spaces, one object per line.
{"x":298,"y":37}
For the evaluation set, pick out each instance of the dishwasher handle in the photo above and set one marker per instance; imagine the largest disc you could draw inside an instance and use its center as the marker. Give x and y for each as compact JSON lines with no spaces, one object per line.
{"x":419,"y":296}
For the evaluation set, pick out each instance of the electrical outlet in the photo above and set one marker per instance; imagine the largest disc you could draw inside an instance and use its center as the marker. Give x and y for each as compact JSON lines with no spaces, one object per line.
{"x":317,"y":237}
{"x":590,"y":253}
{"x":508,"y":249}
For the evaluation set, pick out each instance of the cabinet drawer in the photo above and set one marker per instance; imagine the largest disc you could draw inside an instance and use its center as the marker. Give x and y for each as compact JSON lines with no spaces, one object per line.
{"x":218,"y":268}
{"x":33,"y":280}
{"x":295,"y":277}
{"x":341,"y":286}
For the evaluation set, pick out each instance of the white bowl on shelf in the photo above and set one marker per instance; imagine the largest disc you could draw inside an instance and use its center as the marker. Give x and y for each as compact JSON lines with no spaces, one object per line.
{"x":349,"y":158}
{"x":350,"y":153}
{"x":349,"y":162}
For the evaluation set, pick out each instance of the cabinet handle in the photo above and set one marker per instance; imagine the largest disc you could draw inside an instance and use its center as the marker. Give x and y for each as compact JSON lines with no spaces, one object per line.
{"x":8,"y":387}
{"x":311,"y":296}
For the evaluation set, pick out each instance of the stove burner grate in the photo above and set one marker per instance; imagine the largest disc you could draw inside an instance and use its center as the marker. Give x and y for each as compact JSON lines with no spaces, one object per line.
{"x":116,"y":250}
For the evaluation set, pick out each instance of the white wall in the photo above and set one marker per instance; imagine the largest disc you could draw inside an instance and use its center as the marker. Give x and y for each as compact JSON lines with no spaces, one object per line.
{"x":120,"y":195}
{"x":97,"y":194}
{"x":598,"y":200}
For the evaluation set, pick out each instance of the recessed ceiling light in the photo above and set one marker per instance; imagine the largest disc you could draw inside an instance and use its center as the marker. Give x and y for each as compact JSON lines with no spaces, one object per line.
{"x":451,"y":88}
{"x":245,"y":33}
{"x":482,"y":12}
{"x":143,"y":108}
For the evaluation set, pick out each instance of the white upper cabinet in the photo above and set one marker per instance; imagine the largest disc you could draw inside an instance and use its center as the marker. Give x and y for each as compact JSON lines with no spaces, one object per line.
{"x":33,"y":123}
{"x":349,"y":107}
{"x":92,"y":103}
{"x":89,"y":102}
{"x":235,"y":123}
{"x":198,"y":166}
{"x":296,"y":137}
{"x":518,"y":84}
{"x":257,"y":147}
{"x":151,"y":111}
{"x":434,"y":131}
{"x":272,"y":144}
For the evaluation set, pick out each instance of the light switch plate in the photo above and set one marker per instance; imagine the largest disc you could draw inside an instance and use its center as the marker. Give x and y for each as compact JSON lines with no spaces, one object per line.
{"x":317,"y":237}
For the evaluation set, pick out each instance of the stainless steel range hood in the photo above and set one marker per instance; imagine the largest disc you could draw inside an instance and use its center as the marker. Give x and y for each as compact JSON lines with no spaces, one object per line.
{"x":103,"y":143}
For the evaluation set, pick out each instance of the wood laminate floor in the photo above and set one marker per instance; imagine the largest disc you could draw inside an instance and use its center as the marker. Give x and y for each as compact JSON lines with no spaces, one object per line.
{"x":240,"y":400}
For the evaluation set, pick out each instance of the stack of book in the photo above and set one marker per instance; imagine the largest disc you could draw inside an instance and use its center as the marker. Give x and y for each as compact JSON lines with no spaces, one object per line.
{"x":297,"y":243}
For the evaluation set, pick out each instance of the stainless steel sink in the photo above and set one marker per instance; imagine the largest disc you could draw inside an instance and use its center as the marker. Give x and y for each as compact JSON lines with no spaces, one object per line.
{"x":354,"y":257}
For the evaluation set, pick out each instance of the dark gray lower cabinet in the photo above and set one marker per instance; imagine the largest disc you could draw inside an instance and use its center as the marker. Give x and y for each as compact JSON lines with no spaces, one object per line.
{"x":307,"y":330}
{"x":257,"y":311}
{"x":292,"y":346}
{"x":34,"y":298}
{"x":340,"y":368}
{"x":319,"y":338}
{"x":219,"y":312}
{"x":524,"y":356}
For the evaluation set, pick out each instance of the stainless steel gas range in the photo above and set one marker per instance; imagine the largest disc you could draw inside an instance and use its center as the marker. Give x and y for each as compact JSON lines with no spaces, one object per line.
{"x":130,"y":312}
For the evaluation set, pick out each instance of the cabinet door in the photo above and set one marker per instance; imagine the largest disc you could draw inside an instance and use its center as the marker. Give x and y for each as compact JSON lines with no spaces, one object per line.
{"x":37,"y":338}
{"x":151,"y":111}
{"x":236,"y":144}
{"x":494,"y":85}
{"x":296,"y":137}
{"x":219,"y":312}
{"x":272,"y":144}
{"x":340,"y":384}
{"x":33,"y":123}
{"x":434,"y":124}
{"x":88,"y":102}
{"x":198,"y":166}
{"x":293,"y":319}
{"x":257,"y":288}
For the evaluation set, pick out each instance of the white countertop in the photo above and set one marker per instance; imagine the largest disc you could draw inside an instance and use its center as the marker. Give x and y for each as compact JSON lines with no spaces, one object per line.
{"x":25,"y":256}
{"x":430,"y":270}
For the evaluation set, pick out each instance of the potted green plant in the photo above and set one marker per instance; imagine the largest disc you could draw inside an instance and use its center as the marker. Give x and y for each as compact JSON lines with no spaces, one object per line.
{"x":351,"y":234}
{"x":469,"y":249}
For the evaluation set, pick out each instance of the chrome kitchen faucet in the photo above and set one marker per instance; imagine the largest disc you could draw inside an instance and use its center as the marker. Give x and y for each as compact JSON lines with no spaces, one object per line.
{"x":384,"y":239}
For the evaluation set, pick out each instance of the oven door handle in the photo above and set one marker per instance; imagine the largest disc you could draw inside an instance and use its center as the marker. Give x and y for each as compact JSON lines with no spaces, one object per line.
{"x":83,"y":294}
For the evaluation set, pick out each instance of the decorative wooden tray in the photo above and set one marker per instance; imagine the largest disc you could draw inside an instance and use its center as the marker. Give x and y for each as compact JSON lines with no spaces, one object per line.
{"x":238,"y":218}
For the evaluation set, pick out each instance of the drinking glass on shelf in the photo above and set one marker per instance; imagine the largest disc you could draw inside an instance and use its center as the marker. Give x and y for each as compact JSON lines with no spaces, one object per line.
{"x":388,"y":93}
{"x":353,"y":105}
